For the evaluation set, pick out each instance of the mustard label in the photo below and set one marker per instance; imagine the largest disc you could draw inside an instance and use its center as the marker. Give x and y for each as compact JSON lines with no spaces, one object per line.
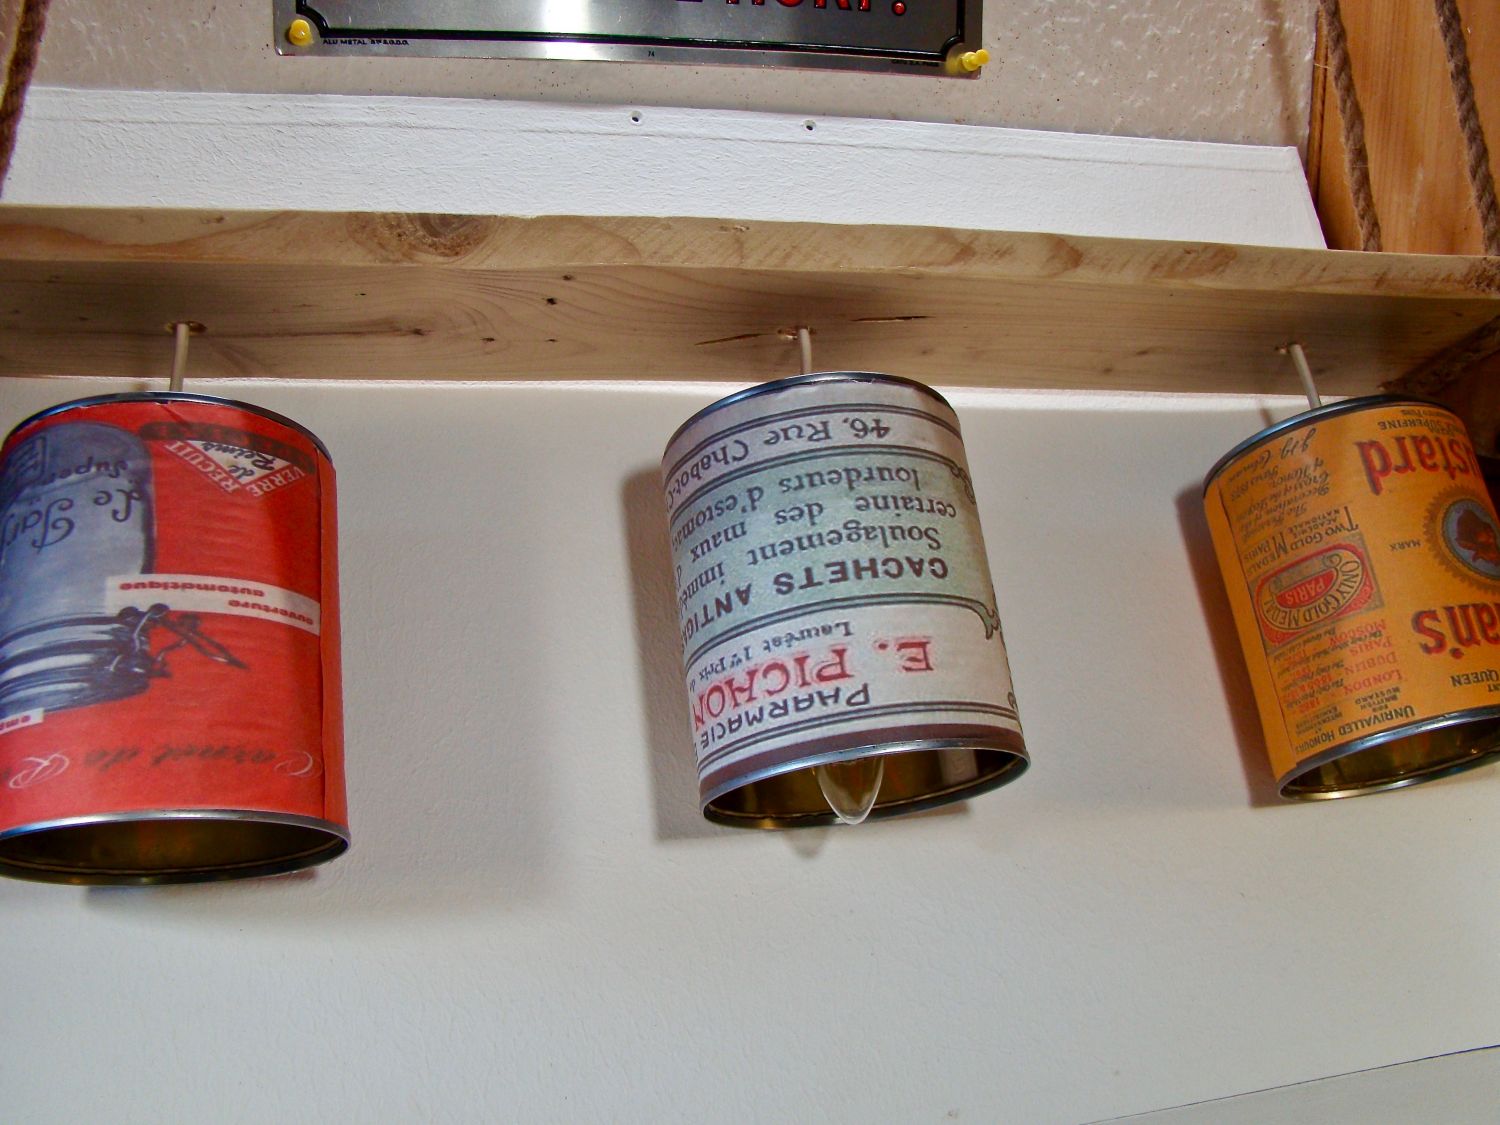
{"x":1361,"y":555}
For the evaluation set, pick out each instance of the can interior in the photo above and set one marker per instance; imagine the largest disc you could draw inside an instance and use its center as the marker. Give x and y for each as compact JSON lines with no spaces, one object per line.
{"x":920,"y":777}
{"x":1407,"y":760}
{"x":167,"y":849}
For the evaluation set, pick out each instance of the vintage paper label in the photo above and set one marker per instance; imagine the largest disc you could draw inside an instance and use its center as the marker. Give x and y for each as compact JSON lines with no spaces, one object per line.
{"x":1362,"y":559}
{"x":168,"y":605}
{"x":832,"y":584}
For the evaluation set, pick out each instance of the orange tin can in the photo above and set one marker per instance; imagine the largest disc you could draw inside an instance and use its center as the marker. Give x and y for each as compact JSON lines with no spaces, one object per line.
{"x":1361,"y":555}
{"x":169,"y":644}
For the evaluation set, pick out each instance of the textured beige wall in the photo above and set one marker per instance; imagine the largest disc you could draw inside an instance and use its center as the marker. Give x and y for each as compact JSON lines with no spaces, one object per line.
{"x":1213,"y":70}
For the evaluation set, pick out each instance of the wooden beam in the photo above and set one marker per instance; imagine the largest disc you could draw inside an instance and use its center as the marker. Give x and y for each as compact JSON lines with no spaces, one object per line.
{"x":89,"y":292}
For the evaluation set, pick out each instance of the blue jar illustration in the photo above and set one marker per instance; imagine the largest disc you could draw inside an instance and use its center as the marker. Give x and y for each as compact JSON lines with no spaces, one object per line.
{"x":75,"y":511}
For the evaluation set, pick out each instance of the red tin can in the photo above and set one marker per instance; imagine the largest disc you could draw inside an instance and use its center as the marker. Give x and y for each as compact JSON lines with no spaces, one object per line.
{"x":170,"y":696}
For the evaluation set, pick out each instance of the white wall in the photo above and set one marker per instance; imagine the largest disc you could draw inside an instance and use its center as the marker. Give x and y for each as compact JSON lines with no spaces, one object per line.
{"x":534,"y":923}
{"x":1203,"y":70}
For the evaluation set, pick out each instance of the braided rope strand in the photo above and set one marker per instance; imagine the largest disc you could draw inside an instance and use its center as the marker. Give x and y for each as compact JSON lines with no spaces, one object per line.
{"x":1356,"y":159}
{"x":1476,"y":151}
{"x":29,"y":27}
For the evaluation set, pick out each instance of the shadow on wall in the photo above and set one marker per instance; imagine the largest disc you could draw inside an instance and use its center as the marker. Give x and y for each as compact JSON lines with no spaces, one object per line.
{"x":1214,"y":603}
{"x":452,"y":803}
{"x":1285,"y":71}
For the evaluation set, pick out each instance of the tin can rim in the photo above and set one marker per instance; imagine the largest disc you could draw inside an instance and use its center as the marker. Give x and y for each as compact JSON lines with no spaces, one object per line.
{"x":171,"y":396}
{"x":1343,"y":406}
{"x":337,"y":843}
{"x":1013,"y":747}
{"x":776,"y":386}
{"x":1380,"y":738}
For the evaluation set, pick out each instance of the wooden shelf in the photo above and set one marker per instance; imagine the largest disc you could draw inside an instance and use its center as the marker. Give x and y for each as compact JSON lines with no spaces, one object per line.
{"x":398,"y":296}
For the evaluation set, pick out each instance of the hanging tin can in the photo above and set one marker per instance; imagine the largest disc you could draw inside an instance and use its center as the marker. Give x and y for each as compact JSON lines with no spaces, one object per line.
{"x":835,"y":601}
{"x":1361,"y":554}
{"x":169,"y":650}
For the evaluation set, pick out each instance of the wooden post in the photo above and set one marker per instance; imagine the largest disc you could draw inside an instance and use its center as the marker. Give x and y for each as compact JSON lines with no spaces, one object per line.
{"x":1415,"y":148}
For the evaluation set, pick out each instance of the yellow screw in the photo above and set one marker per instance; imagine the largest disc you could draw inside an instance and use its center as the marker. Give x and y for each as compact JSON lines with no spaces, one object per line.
{"x":973,"y":60}
{"x":300,"y":33}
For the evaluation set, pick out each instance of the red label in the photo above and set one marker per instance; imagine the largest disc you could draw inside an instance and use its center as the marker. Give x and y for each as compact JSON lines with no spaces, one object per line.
{"x":169,"y":631}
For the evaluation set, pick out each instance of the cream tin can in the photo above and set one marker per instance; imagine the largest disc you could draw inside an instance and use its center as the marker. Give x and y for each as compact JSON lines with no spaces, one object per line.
{"x":835,"y":600}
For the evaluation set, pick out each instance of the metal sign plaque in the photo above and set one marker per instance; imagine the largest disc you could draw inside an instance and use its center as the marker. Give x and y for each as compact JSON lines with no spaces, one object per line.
{"x":934,"y":37}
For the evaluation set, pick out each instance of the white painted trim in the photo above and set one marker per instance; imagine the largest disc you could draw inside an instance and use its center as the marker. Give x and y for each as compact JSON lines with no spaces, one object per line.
{"x":133,"y":148}
{"x":1461,"y":1088}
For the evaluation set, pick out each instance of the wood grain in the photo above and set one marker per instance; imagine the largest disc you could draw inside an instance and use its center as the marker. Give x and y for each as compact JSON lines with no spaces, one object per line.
{"x":1415,"y":149}
{"x":481,"y":242}
{"x":475,"y":297}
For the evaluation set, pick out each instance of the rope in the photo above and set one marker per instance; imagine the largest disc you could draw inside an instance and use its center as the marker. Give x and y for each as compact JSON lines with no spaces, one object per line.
{"x":1475,"y":150}
{"x":1356,"y":160}
{"x":29,"y":27}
